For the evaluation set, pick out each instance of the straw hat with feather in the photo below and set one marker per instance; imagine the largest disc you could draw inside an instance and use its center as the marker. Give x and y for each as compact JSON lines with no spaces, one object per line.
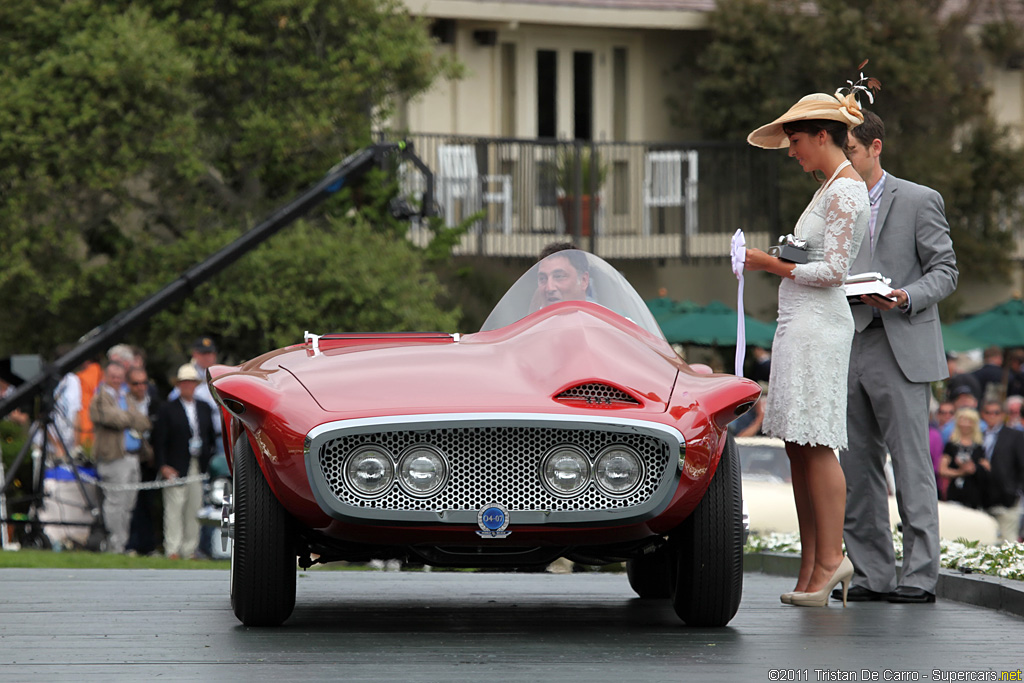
{"x":838,"y":107}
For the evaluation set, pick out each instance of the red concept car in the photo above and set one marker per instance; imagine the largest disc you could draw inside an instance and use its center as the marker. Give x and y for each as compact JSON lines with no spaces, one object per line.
{"x":566,"y":427}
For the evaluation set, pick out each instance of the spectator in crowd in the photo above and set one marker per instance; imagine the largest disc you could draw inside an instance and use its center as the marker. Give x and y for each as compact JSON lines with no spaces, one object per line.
{"x":935,"y":445}
{"x":204,"y":354}
{"x":89,"y":375}
{"x":183,"y":442}
{"x":1015,"y":372}
{"x":142,"y":396}
{"x":944,"y":420}
{"x":749,"y":423}
{"x":961,"y":460}
{"x":958,"y":379}
{"x":1004,"y":466}
{"x":122,"y":354}
{"x":990,"y":375}
{"x":67,"y":404}
{"x":761,"y":366}
{"x":1012,"y":408}
{"x":115,"y":451}
{"x":962,"y":399}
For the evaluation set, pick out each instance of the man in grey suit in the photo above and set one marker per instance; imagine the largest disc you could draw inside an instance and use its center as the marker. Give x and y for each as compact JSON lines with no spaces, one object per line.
{"x":897,"y":351}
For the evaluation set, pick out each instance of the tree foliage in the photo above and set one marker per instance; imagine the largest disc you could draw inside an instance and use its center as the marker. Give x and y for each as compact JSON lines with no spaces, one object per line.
{"x":766,"y":54}
{"x":137,"y":138}
{"x":290,"y":284}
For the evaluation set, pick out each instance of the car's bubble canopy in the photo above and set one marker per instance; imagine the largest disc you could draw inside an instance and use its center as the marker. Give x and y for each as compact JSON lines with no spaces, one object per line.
{"x":570,"y":275}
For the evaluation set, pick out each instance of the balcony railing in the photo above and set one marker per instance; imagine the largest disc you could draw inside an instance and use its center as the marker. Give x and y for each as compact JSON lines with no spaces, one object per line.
{"x":680,"y":201}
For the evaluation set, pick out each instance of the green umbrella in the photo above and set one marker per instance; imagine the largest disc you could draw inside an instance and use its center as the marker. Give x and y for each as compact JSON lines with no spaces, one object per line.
{"x":1002,"y":325}
{"x":664,"y":307}
{"x":954,"y":340}
{"x":660,"y":306}
{"x":715,"y":325}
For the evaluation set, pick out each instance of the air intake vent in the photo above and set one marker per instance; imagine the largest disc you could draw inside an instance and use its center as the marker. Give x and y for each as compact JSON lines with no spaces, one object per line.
{"x":598,"y":395}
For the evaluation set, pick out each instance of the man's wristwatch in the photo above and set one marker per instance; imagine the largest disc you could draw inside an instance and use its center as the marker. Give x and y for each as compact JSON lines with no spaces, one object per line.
{"x":905,"y":307}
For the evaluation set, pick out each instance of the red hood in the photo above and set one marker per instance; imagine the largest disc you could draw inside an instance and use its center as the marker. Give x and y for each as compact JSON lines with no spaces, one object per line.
{"x":519,"y":367}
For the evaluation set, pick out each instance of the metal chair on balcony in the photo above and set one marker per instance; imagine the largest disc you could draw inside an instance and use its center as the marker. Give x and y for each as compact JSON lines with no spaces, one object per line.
{"x":459,"y":181}
{"x":665,"y":184}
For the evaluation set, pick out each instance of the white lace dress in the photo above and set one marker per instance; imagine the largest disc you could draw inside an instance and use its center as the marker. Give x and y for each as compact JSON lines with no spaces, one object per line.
{"x":811,"y":351}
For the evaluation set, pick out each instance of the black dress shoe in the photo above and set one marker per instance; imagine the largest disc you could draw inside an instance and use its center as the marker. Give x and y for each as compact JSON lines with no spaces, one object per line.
{"x":859,"y":594}
{"x":908,"y":594}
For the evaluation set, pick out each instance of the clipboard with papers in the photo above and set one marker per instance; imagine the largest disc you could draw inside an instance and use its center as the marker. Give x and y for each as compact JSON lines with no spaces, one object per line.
{"x":857,"y":286}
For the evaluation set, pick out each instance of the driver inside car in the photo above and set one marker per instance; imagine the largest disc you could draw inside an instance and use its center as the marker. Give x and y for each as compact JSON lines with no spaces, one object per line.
{"x":563,"y":276}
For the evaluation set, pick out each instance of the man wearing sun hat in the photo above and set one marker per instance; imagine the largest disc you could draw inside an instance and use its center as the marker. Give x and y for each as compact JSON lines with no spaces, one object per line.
{"x":204,"y":354}
{"x":183,"y":443}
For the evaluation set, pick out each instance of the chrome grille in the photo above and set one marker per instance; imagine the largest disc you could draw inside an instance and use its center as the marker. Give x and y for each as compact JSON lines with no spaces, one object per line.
{"x":496,"y":465}
{"x":597,"y":393}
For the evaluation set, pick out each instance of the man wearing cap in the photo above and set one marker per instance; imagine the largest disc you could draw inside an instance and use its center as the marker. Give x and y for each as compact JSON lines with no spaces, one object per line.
{"x":204,"y":354}
{"x":117,"y":461}
{"x":897,"y":352}
{"x":183,"y":443}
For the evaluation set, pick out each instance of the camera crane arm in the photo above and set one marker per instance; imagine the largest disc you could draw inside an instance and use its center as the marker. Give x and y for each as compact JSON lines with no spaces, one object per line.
{"x":347,"y":171}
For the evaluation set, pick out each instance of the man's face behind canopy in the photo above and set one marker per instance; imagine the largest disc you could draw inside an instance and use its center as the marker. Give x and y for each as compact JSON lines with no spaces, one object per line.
{"x":558,"y":280}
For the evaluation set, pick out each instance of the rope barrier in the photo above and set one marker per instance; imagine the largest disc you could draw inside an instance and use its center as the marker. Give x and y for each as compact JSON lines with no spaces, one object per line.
{"x":143,"y":485}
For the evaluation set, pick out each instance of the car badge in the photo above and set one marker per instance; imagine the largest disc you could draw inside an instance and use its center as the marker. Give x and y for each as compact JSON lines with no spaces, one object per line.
{"x":493,"y":520}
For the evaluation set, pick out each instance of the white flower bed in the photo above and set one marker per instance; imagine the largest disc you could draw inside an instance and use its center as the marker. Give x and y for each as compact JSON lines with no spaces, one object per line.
{"x":1005,"y":560}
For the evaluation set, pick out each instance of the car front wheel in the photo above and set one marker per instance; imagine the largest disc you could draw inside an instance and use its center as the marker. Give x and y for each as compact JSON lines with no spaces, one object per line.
{"x":707,"y":563}
{"x":262,"y":554}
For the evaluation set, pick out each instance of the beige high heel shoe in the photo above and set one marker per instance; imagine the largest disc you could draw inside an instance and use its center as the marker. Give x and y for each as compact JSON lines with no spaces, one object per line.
{"x":843,"y":574}
{"x":787,"y":598}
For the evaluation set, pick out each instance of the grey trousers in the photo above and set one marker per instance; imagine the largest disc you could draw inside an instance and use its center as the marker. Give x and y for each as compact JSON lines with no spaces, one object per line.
{"x":884,"y":409}
{"x":118,"y":505}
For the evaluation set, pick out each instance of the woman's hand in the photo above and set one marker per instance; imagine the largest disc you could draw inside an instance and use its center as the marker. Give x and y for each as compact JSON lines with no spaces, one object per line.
{"x":967,"y":469}
{"x":985,"y":465}
{"x":757,"y":259}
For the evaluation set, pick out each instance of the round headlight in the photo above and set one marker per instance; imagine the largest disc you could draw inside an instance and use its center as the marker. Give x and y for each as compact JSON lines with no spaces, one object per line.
{"x":618,"y":470}
{"x":422,"y":471}
{"x":565,"y":471}
{"x":369,"y":471}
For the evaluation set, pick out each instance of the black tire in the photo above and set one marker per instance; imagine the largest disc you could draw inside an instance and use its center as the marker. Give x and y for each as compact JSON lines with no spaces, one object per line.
{"x":262,"y":554}
{"x":650,"y":575}
{"x":707,"y":576}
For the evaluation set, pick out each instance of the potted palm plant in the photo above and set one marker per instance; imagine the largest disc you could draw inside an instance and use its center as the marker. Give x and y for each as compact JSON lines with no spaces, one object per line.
{"x":579,"y":169}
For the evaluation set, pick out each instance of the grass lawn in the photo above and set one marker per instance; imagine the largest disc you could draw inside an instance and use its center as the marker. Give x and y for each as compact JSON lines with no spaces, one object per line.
{"x":80,"y":559}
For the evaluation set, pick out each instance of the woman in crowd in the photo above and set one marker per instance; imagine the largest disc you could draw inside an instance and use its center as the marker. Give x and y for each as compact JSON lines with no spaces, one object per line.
{"x":960,"y":460}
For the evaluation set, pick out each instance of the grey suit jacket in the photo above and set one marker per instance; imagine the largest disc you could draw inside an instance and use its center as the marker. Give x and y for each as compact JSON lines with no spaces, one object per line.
{"x":913,"y":247}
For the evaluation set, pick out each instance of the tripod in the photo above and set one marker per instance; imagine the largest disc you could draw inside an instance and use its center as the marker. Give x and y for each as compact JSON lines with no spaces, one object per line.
{"x":45,"y":438}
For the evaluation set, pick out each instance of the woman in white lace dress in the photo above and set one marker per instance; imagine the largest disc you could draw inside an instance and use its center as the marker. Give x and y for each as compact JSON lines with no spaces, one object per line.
{"x":811,"y":352}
